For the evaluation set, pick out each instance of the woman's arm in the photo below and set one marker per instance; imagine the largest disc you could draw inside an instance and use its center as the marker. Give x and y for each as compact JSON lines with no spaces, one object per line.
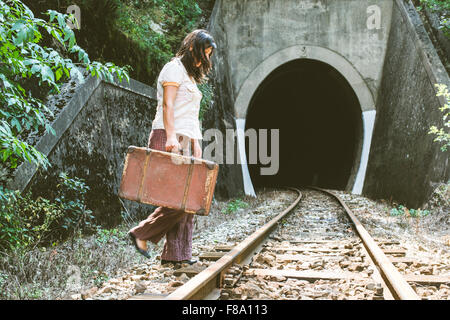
{"x":170,"y":92}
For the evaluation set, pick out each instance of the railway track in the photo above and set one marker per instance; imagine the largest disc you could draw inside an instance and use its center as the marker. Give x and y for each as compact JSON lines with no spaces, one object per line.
{"x":319,"y":255}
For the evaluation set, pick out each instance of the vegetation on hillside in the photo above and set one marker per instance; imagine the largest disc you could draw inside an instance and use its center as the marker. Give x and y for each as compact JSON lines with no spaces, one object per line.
{"x":23,"y":60}
{"x":442,"y":8}
{"x":442,"y":134}
{"x":143,"y":34}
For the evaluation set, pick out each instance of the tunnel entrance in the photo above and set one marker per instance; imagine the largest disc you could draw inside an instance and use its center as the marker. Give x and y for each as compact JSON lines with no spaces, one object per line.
{"x":320,"y":126}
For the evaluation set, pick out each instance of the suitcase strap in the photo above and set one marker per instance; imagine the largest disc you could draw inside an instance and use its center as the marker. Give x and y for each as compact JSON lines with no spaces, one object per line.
{"x":189,"y":176}
{"x":147,"y":158}
{"x":188,"y":183}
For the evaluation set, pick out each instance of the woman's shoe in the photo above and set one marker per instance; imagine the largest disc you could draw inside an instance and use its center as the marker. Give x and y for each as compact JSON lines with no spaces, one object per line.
{"x":190,"y":262}
{"x":163,"y":262}
{"x":143,"y":252}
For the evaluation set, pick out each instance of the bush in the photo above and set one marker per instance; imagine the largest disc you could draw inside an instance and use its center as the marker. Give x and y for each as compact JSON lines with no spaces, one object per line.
{"x":402,"y":210}
{"x":27,"y":222}
{"x":13,"y":233}
{"x":71,"y":197}
{"x":113,"y":235}
{"x":441,"y":134}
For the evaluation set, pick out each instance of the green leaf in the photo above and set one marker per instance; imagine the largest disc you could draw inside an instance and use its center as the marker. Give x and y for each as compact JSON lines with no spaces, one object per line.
{"x":27,"y":155}
{"x":16,"y":123}
{"x":61,"y":21}
{"x":56,"y":34}
{"x":72,"y":40}
{"x":17,"y":26}
{"x":47,"y":74}
{"x":30,"y":61}
{"x":50,"y":129}
{"x":59,"y":73}
{"x":21,"y":36}
{"x":35,"y":68}
{"x":52,"y":15}
{"x":76,"y":73}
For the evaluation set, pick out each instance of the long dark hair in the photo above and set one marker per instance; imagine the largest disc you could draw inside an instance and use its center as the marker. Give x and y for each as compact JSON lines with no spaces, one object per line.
{"x":199,"y":40}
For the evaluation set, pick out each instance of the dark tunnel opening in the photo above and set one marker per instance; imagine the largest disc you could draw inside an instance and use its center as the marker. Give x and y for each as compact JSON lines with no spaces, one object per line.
{"x":320,"y":126}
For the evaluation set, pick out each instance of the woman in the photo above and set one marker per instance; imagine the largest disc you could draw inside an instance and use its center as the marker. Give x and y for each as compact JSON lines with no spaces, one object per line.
{"x":176,"y":128}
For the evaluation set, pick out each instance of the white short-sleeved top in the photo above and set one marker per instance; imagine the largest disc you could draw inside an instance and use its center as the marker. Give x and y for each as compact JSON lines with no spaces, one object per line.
{"x":187,"y":101}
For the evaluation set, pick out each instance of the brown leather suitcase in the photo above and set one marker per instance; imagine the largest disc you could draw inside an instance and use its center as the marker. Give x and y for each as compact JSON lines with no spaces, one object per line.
{"x":169,"y":180}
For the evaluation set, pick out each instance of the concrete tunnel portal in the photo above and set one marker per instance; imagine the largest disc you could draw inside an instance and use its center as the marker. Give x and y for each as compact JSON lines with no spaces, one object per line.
{"x":319,"y":119}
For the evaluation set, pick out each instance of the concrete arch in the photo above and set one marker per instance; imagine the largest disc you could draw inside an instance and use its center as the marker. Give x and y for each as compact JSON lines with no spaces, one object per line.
{"x":337,"y":61}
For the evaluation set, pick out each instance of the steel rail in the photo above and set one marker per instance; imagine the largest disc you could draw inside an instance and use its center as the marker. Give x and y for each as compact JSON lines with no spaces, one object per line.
{"x":396,"y":283}
{"x":211,"y":278}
